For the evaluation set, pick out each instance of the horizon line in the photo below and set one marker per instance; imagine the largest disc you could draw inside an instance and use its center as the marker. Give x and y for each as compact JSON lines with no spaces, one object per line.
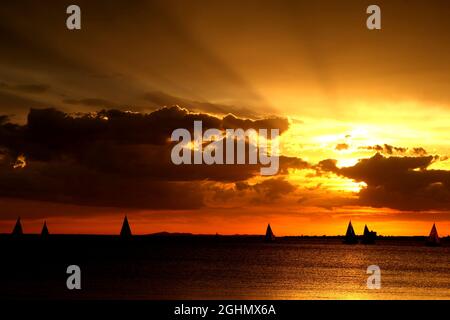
{"x":213,"y":234}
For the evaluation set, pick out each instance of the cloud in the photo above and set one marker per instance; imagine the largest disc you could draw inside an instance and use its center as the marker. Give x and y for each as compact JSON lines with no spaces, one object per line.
{"x":92,"y":102}
{"x":232,"y":122}
{"x":419,"y":151}
{"x":116,"y":158}
{"x":243,"y":193}
{"x":71,"y":183}
{"x":26,"y":88}
{"x":292,"y":163}
{"x":388,"y":149}
{"x":51,"y":133}
{"x":403,"y":183}
{"x":268,"y":190}
{"x":327,"y":165}
{"x":17,"y":105}
{"x":159,"y":98}
{"x":342,"y":146}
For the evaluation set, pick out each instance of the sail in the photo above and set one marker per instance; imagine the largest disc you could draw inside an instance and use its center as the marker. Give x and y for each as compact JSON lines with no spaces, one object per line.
{"x":17,"y":231}
{"x":44,"y":231}
{"x":368,"y":236}
{"x":433,"y":238}
{"x":350,"y":230}
{"x":366,"y":230}
{"x":269,"y":234}
{"x":125,"y":232}
{"x":350,"y":236}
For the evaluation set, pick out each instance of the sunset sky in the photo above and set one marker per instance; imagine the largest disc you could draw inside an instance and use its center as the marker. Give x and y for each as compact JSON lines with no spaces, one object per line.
{"x":86,"y":116}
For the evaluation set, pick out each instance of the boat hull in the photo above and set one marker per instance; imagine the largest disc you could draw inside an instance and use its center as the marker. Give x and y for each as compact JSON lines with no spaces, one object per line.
{"x":432,"y":244}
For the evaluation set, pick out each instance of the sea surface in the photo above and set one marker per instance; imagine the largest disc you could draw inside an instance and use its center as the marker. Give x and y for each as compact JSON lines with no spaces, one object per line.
{"x":222,"y":268}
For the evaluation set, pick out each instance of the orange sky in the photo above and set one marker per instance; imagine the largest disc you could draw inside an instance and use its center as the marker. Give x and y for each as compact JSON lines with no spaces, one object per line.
{"x":347,"y":94}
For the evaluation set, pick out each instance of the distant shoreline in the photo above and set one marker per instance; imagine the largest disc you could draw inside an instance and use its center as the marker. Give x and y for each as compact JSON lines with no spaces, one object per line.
{"x":191,"y":235}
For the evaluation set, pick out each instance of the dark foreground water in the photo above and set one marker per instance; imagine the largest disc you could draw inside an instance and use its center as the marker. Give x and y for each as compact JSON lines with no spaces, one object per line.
{"x":221,"y":268}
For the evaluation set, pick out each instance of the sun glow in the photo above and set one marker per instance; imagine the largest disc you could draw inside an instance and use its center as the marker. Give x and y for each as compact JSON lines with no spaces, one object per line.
{"x":20,"y":163}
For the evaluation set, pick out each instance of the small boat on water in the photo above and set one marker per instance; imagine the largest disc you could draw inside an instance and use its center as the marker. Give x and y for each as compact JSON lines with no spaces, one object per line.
{"x":44,"y":232}
{"x":270,"y":237}
{"x":125,"y":232}
{"x":433,"y":238}
{"x":17,"y":231}
{"x":350,"y":236}
{"x":369,"y":237}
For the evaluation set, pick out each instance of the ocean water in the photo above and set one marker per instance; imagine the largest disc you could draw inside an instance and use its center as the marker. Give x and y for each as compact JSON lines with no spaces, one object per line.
{"x":230,"y":268}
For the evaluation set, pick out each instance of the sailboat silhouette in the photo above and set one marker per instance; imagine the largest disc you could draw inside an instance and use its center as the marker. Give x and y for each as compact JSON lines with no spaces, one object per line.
{"x":433,"y":238}
{"x":44,"y":232}
{"x":17,"y":231}
{"x":270,"y":237}
{"x":350,"y":236}
{"x":125,"y":232}
{"x":368,"y":236}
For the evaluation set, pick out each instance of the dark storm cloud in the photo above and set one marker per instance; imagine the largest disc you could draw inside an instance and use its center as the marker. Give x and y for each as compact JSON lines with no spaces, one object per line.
{"x":403,"y":183}
{"x":51,"y":133}
{"x":114,"y":158}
